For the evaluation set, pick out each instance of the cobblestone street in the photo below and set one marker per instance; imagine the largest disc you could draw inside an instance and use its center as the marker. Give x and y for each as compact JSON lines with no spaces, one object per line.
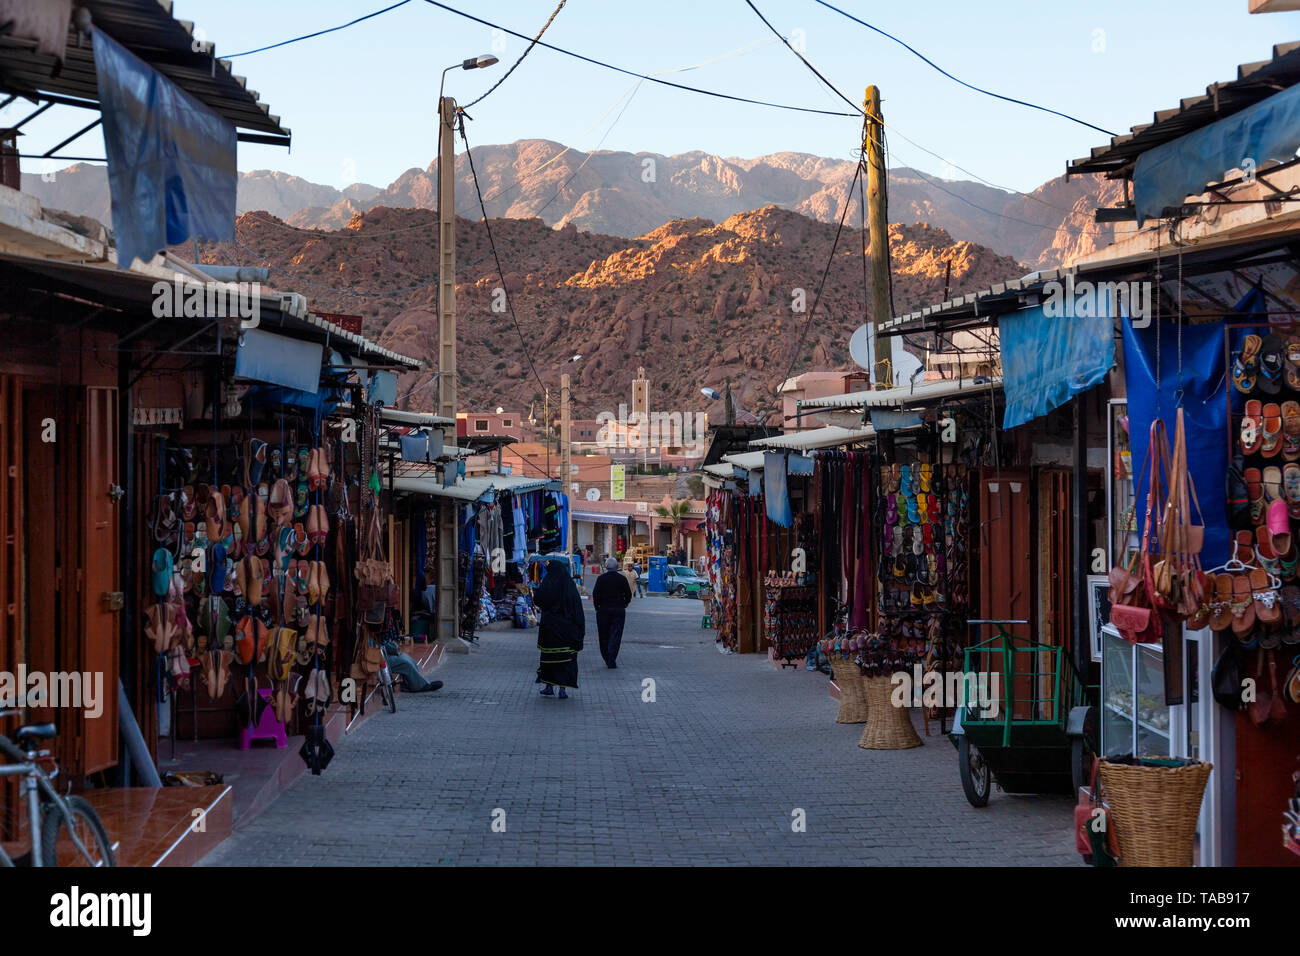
{"x":711,"y":772}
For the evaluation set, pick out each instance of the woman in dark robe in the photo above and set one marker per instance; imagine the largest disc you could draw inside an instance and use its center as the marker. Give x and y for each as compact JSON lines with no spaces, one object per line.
{"x":561,"y":630}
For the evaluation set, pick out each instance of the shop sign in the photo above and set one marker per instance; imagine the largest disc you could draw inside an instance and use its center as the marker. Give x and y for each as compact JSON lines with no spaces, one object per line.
{"x":156,"y":416}
{"x":617,"y":482}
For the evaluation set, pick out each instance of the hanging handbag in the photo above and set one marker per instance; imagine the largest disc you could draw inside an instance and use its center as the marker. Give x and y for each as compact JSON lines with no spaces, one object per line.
{"x":1131,"y":609}
{"x":1094,"y":836}
{"x":376,"y":587}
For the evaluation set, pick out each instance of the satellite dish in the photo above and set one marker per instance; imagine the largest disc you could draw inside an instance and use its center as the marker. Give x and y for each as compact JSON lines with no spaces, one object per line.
{"x":860,"y":347}
{"x":906,"y":365}
{"x":593,"y":494}
{"x":710,"y":393}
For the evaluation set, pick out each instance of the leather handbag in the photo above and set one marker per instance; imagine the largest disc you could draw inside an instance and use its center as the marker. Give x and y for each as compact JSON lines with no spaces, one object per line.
{"x":1130,"y":591}
{"x":1094,"y":836}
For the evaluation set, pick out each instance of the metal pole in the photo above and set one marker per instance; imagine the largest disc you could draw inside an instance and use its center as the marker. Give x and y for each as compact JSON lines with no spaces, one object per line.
{"x":448,"y":531}
{"x":566,"y":470}
{"x":873,"y":144}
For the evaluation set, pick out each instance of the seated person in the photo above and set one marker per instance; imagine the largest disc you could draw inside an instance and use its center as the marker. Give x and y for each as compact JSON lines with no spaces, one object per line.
{"x":404,"y":667}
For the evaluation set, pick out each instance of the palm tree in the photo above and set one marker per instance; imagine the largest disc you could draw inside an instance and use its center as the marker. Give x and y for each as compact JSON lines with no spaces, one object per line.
{"x":676,"y":512}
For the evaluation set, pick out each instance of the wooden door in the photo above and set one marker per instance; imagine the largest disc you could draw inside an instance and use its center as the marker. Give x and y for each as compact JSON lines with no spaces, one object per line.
{"x":1006,"y":574}
{"x":12,"y":605}
{"x":99,"y":592}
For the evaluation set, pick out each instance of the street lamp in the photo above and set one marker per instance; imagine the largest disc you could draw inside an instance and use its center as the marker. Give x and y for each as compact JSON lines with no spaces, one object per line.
{"x":473,"y":63}
{"x":448,"y":523}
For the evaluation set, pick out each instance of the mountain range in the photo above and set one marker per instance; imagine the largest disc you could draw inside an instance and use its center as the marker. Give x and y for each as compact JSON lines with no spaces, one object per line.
{"x":693,"y":302}
{"x":630,"y":194}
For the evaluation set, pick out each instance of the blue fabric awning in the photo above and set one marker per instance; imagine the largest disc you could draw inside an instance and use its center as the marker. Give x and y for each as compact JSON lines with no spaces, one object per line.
{"x":171,"y":160}
{"x":1166,"y":175}
{"x":1047,"y":360}
{"x":266,"y":357}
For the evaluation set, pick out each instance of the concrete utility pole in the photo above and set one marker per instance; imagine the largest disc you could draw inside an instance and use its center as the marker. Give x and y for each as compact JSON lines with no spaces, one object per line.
{"x":566,"y":471}
{"x":448,"y":530}
{"x":873,"y":144}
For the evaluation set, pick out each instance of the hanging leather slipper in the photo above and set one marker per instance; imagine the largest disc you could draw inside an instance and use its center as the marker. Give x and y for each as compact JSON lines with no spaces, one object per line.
{"x":1245,"y":368}
{"x":1272,"y":430}
{"x":1267,"y":609}
{"x":1221,"y":607}
{"x":1252,"y":425}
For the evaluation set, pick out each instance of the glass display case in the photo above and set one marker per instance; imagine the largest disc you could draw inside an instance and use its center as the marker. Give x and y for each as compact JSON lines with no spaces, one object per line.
{"x":1134,"y":716}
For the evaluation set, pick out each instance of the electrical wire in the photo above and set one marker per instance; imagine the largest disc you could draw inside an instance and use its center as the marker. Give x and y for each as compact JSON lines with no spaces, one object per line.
{"x":830,"y":259}
{"x":803,"y":59}
{"x":527,"y":50}
{"x":969,"y":86}
{"x":643,"y":76}
{"x":510,"y":305}
{"x":318,"y":33}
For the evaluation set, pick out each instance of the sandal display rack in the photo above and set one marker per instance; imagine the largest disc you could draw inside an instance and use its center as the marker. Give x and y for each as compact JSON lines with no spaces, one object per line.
{"x":789,"y":618}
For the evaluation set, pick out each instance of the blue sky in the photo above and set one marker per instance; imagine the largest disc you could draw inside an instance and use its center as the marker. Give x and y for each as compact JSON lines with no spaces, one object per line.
{"x":361,"y":102}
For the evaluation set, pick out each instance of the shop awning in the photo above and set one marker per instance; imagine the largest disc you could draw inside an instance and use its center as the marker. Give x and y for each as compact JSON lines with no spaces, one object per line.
{"x":748,"y":461}
{"x":919,"y":394}
{"x":474,"y":488}
{"x":601,"y":517}
{"x":827,"y":437}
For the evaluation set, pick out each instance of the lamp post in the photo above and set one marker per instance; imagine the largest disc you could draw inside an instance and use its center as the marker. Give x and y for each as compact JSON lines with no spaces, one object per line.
{"x":448,"y":537}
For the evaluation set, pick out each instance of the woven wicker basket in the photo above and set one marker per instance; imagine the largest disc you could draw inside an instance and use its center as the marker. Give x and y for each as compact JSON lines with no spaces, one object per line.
{"x":853,"y":696}
{"x":1154,"y":810}
{"x":888,"y":727}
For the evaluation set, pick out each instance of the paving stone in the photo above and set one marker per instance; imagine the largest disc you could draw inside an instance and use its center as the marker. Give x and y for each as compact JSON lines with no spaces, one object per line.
{"x":710,"y":772}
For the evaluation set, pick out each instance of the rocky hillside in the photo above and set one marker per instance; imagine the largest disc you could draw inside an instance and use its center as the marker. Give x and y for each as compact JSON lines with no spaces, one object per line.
{"x":630,"y":194}
{"x":692,"y":301}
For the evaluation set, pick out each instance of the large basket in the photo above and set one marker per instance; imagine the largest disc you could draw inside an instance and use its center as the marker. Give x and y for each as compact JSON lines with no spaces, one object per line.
{"x":888,"y":727}
{"x":853,"y":696}
{"x":1154,"y":810}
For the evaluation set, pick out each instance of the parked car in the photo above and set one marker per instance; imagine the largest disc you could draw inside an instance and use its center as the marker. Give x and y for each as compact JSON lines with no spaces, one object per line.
{"x":678,"y":579}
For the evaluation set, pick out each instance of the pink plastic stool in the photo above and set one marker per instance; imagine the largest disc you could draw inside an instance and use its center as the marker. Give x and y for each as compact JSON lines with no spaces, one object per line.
{"x":268,"y":728}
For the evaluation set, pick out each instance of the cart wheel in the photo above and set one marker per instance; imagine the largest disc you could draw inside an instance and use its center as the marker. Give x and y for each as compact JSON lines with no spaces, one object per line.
{"x":975,"y":775}
{"x":1082,"y":750}
{"x":1080,"y":764}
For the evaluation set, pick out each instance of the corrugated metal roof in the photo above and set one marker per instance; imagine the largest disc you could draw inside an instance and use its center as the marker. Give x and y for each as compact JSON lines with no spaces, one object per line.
{"x":898,"y":397}
{"x":1254,"y":82}
{"x":827,"y":437}
{"x":748,"y":460}
{"x":468,"y":489}
{"x":148,"y":29}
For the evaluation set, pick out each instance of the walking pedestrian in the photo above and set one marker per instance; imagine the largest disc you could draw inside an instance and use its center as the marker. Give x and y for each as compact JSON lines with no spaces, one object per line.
{"x":610,"y":597}
{"x":630,"y":576}
{"x":561,"y":629}
{"x":640,"y":588}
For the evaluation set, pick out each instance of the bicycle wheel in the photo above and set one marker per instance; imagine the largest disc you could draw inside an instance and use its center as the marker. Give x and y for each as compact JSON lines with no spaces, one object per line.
{"x":56,"y":841}
{"x":386,"y":691}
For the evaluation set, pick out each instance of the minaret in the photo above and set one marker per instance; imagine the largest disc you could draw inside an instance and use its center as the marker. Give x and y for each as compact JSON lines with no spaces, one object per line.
{"x":641,"y":394}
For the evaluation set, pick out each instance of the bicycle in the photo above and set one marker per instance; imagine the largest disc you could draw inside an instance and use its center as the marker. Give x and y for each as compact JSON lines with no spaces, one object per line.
{"x":384,"y":681}
{"x":48,"y":813}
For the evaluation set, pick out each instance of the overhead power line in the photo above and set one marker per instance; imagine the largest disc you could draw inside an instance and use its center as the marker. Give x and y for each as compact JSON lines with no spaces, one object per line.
{"x":643,"y":76}
{"x":527,"y":51}
{"x":487,"y":225}
{"x":970,"y":86}
{"x":318,"y":33}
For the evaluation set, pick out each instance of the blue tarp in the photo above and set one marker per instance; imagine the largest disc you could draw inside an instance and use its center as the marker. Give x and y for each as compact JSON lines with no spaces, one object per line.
{"x":266,"y":357}
{"x":774,"y":489}
{"x":1166,"y":175}
{"x":1046,"y":361}
{"x":1205,"y":416}
{"x":171,"y":160}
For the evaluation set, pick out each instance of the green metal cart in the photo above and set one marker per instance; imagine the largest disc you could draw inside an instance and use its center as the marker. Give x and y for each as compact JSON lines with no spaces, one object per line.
{"x":1032,"y":727}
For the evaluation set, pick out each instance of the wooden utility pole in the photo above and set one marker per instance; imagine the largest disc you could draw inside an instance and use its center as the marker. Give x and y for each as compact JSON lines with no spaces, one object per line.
{"x":448,"y":623}
{"x":873,"y":145}
{"x":566,"y":470}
